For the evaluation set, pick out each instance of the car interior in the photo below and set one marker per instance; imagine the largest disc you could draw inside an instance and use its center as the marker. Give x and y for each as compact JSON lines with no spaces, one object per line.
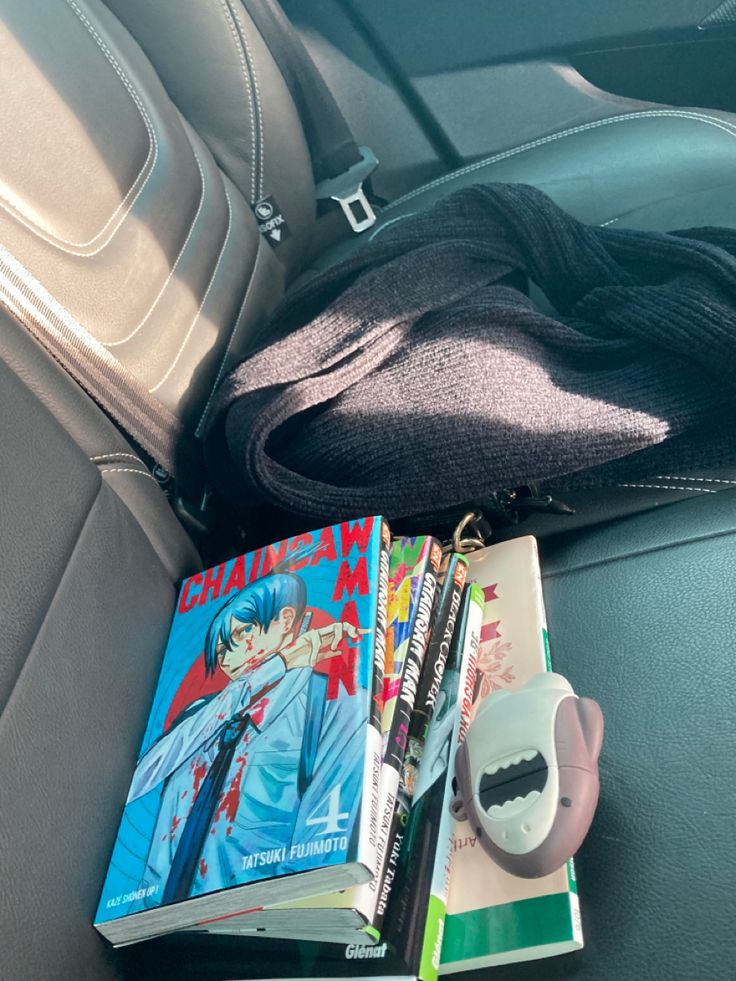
{"x":139,"y":138}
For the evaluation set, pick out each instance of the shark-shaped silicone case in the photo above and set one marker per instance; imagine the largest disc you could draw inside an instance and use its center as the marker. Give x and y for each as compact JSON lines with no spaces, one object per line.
{"x":527,"y":774}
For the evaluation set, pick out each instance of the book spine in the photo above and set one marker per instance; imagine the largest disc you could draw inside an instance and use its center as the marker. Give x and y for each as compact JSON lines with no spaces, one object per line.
{"x":392,"y":641}
{"x":367,"y":899}
{"x":429,"y":959}
{"x":454,"y":572}
{"x":455,"y":575}
{"x":409,"y":902}
{"x":404,"y":591}
{"x":370,"y":799}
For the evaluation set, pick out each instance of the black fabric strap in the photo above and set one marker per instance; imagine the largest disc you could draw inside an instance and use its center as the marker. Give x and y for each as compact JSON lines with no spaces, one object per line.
{"x":331,"y":145}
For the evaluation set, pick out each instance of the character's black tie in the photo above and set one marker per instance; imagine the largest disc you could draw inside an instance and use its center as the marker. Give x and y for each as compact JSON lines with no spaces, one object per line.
{"x":198,"y":823}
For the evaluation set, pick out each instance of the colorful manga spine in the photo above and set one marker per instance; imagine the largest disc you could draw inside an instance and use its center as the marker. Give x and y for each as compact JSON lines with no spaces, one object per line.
{"x":426,"y":687}
{"x":423,"y":577}
{"x":370,"y":813}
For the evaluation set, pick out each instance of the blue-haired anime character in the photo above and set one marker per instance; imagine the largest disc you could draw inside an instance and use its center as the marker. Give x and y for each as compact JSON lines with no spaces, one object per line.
{"x":233,"y":763}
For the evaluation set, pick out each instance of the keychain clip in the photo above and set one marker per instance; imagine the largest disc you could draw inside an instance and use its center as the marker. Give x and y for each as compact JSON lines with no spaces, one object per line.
{"x":474,"y":522}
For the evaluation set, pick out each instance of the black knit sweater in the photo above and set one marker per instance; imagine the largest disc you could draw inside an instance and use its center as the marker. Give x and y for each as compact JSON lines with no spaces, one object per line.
{"x":417,"y":374}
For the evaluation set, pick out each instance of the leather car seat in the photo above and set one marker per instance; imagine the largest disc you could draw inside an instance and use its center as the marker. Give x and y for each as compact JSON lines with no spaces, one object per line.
{"x":138,"y":137}
{"x":132,"y":214}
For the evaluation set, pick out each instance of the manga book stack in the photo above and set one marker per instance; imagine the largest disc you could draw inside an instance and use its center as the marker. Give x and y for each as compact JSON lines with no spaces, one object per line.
{"x":289,"y":815}
{"x":412,"y":590}
{"x":425,"y":593}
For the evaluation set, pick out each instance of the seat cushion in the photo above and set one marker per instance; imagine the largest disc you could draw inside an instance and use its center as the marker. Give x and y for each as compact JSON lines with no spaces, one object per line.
{"x":139,"y":227}
{"x":655,"y":169}
{"x":90,"y":557}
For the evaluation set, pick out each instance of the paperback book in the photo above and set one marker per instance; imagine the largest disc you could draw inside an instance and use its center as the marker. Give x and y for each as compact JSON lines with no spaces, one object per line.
{"x":494,"y":917}
{"x":416,"y":910}
{"x":258,"y":776}
{"x":413,"y":584}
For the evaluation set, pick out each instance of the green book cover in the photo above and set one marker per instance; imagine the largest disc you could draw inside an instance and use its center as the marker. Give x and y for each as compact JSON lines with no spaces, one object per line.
{"x":494,"y":917}
{"x":447,"y":731}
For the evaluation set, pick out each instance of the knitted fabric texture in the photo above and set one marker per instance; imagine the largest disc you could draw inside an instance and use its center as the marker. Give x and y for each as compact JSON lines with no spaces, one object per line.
{"x":416,"y":374}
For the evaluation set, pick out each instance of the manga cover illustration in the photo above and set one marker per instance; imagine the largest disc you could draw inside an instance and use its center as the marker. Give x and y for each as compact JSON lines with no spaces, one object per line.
{"x":252,"y":762}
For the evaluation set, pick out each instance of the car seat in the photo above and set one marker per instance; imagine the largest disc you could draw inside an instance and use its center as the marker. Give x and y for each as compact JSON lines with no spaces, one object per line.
{"x":139,"y":137}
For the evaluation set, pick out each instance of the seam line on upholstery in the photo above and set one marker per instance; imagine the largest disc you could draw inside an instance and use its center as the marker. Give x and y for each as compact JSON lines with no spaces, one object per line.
{"x":552,"y":137}
{"x":87,"y":360}
{"x":109,"y":456}
{"x":166,"y":282}
{"x":241,"y":311}
{"x":141,"y":473}
{"x":64,"y":572}
{"x":151,"y":157}
{"x":388,"y":224}
{"x":703,"y":480}
{"x":102,"y":488}
{"x":257,"y":99}
{"x":699,"y":490}
{"x":204,"y":298}
{"x":230,"y":21}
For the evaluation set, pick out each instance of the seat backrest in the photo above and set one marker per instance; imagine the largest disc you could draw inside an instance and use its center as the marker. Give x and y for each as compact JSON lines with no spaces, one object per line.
{"x":126,"y":190}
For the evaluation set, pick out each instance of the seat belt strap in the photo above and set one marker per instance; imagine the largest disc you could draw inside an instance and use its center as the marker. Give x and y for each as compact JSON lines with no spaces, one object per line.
{"x":138,"y":413}
{"x":339,"y":165}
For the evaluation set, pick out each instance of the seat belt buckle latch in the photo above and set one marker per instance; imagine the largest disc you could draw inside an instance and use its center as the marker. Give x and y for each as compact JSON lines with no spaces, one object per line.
{"x":357,"y":209}
{"x":347,"y":190}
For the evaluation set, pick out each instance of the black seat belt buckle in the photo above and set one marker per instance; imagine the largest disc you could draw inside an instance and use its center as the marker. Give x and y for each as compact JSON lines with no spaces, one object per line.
{"x":347,"y":190}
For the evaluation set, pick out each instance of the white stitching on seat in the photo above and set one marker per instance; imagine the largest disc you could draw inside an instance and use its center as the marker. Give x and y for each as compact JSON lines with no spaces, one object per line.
{"x":229,"y":20}
{"x":256,"y":90}
{"x":141,"y":473}
{"x":625,"y":117}
{"x":232,"y":336}
{"x":204,"y":298}
{"x":166,"y":282}
{"x":704,"y":480}
{"x":152,"y":156}
{"x":700,"y":490}
{"x":410,"y":214}
{"x":388,"y":224}
{"x":109,"y":456}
